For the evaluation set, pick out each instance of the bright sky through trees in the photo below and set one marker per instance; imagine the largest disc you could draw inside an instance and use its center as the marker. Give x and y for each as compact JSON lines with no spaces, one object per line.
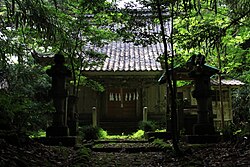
{"x":122,"y":3}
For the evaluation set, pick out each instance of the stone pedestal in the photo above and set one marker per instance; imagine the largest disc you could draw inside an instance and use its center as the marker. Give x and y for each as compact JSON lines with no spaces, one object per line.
{"x":202,"y":139}
{"x":57,"y":131}
{"x":203,"y":129}
{"x":67,"y":141}
{"x":73,"y":128}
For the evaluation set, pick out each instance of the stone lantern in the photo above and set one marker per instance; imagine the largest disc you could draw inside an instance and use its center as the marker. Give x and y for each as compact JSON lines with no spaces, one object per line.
{"x":201,"y":73}
{"x":59,"y":73}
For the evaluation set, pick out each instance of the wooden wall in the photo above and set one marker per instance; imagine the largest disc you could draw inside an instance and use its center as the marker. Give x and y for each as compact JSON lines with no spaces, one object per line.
{"x":155,"y":101}
{"x":152,"y":97}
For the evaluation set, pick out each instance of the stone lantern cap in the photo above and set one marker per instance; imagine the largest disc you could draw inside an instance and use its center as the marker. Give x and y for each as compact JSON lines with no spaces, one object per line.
{"x":195,"y":67}
{"x":203,"y":70}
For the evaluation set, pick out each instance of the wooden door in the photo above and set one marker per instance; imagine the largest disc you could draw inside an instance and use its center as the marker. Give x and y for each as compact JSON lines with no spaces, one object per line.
{"x":121,"y":104}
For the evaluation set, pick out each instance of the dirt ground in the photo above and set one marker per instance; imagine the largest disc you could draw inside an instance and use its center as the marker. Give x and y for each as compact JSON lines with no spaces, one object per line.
{"x":221,"y":154}
{"x":225,"y":154}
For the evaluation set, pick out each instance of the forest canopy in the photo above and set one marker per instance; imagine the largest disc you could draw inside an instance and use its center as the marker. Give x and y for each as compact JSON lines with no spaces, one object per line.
{"x":210,"y":27}
{"x":219,"y":29}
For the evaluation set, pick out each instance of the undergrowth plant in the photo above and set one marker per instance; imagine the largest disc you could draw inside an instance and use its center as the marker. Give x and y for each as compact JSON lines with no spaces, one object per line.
{"x":38,"y":134}
{"x":89,"y":132}
{"x":136,"y":135}
{"x":161,"y":144}
{"x":147,"y":126}
{"x":94,"y":133}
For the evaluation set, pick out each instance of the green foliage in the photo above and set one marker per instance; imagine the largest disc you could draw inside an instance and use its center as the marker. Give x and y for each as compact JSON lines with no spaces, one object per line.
{"x":25,"y":104}
{"x":161,"y":130}
{"x":116,"y":137}
{"x":161,"y":144}
{"x":40,"y":133}
{"x":212,"y":32}
{"x":182,"y":83}
{"x":229,"y":132}
{"x":138,"y":135}
{"x":245,"y":130}
{"x":56,"y":26}
{"x":147,"y":126}
{"x":46,"y":27}
{"x":233,"y":131}
{"x":134,"y":136}
{"x":102,"y":133}
{"x":90,"y":132}
{"x":94,"y":133}
{"x":241,"y":105}
{"x":84,"y":151}
{"x":82,"y":157}
{"x":218,"y":29}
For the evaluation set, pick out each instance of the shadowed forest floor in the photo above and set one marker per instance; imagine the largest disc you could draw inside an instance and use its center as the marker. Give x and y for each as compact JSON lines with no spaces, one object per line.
{"x":221,"y":154}
{"x":30,"y":153}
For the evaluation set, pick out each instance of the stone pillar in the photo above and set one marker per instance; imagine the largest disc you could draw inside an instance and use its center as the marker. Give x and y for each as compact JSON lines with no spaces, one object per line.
{"x":202,"y":93}
{"x":94,"y":117}
{"x":145,"y":114}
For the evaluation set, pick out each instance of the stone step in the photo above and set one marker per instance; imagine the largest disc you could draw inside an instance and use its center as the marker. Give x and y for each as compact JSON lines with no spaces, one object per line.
{"x":128,"y":150}
{"x":102,"y":141}
{"x":119,"y":127}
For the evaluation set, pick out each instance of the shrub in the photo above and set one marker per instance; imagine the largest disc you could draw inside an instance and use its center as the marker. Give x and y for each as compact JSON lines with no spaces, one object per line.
{"x":147,"y":126}
{"x":89,"y":132}
{"x":160,"y":143}
{"x":229,"y":132}
{"x":102,"y":133}
{"x":244,"y":130}
{"x":138,"y":135}
{"x":92,"y":133}
{"x":241,"y":105}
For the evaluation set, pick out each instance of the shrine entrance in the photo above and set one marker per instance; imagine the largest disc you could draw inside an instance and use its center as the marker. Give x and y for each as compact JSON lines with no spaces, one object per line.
{"x":121,"y":104}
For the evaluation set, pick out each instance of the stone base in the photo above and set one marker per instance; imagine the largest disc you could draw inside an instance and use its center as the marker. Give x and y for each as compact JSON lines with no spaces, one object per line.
{"x":202,"y":139}
{"x":55,"y":131}
{"x":158,"y":135}
{"x":203,"y":129}
{"x":73,"y":128}
{"x":67,"y":141}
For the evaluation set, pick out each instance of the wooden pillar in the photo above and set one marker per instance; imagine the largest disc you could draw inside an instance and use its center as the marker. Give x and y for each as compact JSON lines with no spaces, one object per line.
{"x":230,"y":108}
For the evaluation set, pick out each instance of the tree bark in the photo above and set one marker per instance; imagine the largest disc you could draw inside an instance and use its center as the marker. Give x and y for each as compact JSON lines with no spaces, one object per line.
{"x":171,"y":83}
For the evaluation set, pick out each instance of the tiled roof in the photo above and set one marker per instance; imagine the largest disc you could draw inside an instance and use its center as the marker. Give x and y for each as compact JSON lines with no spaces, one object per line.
{"x":226,"y":82}
{"x":127,"y":56}
{"x":123,"y":56}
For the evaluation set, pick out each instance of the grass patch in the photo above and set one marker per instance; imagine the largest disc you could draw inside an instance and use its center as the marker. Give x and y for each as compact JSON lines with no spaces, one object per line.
{"x":38,"y":134}
{"x":136,"y":135}
{"x":160,"y":143}
{"x":161,"y":130}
